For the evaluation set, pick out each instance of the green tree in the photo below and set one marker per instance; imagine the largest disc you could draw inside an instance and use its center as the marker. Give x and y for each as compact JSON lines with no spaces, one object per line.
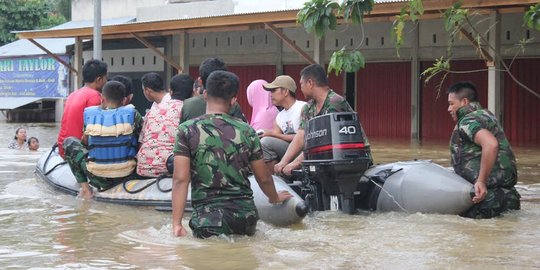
{"x":320,"y":16}
{"x":26,"y":15}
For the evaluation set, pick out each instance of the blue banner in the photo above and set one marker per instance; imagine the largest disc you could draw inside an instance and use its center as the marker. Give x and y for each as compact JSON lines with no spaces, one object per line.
{"x":41,"y":76}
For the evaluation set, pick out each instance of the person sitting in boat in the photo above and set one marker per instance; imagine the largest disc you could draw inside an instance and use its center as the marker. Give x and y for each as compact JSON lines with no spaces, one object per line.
{"x":181,"y":87}
{"x":19,"y":141}
{"x":275,"y":141}
{"x":159,"y":128}
{"x":195,"y":106}
{"x":94,"y":77}
{"x":481,"y":154}
{"x":33,"y":144}
{"x":215,"y":152}
{"x":127,"y":84}
{"x":263,"y":112}
{"x":322,"y":100}
{"x":110,"y":133}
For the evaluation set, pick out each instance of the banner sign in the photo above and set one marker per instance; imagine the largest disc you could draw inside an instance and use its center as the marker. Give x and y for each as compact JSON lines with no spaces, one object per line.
{"x":41,"y":76}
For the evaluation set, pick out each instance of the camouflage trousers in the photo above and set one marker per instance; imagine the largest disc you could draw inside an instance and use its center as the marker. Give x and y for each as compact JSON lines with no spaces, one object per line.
{"x":497,"y":201}
{"x":76,"y":156}
{"x":208,"y":221}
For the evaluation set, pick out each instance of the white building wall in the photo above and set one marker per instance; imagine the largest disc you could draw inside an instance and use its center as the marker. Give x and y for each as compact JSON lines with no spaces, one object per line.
{"x":133,"y":60}
{"x":82,"y":10}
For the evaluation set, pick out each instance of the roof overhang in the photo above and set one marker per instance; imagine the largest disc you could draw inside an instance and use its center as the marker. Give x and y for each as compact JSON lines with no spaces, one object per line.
{"x":238,"y":22}
{"x":10,"y":103}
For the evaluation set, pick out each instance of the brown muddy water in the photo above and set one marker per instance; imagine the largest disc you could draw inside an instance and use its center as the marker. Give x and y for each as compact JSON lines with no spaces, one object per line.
{"x":43,"y":229}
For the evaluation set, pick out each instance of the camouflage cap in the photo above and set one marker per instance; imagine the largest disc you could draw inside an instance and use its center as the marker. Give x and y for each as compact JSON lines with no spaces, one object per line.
{"x":283,"y":81}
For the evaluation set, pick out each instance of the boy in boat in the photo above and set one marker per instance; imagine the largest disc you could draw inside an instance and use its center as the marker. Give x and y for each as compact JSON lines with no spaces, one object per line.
{"x":481,"y":154}
{"x":110,"y":134}
{"x":215,"y":152}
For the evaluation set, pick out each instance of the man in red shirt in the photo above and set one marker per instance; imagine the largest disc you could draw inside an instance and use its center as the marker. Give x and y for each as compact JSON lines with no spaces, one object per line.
{"x":94,"y":77}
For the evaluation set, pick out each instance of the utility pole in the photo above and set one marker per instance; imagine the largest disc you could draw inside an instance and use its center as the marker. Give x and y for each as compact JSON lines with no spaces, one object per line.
{"x":97,"y":29}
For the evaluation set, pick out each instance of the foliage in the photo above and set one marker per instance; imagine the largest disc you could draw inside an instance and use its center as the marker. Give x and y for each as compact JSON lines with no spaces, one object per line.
{"x":318,"y":16}
{"x":26,"y":15}
{"x":412,"y":11}
{"x":532,"y":17}
{"x":346,"y":60}
{"x":321,"y":15}
{"x":355,"y":10}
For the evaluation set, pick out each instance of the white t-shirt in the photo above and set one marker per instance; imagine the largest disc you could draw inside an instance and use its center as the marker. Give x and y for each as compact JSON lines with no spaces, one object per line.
{"x":289,"y":120}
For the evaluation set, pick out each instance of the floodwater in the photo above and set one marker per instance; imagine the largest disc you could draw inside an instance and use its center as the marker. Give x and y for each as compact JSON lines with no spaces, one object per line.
{"x":43,"y":229}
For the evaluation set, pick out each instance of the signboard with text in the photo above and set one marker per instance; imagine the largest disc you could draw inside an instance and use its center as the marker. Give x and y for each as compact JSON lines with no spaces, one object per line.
{"x":40,"y":76}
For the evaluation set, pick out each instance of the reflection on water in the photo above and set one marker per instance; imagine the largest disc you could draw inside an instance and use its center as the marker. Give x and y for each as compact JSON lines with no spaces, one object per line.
{"x":41,"y":228}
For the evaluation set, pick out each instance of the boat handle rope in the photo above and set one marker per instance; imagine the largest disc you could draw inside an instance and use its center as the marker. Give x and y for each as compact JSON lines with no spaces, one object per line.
{"x":47,"y":161}
{"x":157,"y":181}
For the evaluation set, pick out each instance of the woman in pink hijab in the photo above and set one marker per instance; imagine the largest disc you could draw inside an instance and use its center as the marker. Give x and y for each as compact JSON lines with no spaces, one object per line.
{"x":264,"y":112}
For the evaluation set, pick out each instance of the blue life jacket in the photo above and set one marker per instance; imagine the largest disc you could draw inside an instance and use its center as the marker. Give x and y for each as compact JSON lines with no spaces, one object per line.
{"x":111,"y":141}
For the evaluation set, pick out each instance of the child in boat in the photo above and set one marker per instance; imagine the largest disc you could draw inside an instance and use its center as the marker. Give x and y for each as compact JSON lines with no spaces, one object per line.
{"x":110,"y":134}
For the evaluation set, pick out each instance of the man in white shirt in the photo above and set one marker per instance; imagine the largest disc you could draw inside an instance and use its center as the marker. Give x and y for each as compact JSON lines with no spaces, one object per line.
{"x":275,"y":142}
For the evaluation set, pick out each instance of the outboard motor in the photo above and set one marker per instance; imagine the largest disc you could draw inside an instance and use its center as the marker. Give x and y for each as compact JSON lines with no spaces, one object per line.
{"x":336,"y":156}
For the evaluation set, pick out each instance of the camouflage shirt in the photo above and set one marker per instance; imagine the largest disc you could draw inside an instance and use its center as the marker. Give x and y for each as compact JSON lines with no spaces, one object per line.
{"x":332,"y":103}
{"x":220,"y":148}
{"x":466,"y":154}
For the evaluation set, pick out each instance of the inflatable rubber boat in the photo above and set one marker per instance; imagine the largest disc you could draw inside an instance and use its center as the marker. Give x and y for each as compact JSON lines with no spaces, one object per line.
{"x":337,"y":175}
{"x":157,"y":192}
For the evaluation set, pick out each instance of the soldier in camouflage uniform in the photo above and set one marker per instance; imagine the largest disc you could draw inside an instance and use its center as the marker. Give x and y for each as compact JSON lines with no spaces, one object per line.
{"x":481,"y":154}
{"x":215,"y":152}
{"x":322,"y":100}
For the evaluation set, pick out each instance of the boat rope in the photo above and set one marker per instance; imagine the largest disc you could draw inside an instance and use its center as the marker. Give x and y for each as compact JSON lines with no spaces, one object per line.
{"x":156,"y":181}
{"x":389,"y":195}
{"x":47,"y":161}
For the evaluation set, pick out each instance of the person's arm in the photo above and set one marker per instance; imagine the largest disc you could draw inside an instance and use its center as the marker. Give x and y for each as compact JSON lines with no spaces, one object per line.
{"x":294,"y":148}
{"x":138,"y":124}
{"x":183,"y":114}
{"x":265,"y":181}
{"x":181,"y":178}
{"x":277,"y":133}
{"x":490,"y":149}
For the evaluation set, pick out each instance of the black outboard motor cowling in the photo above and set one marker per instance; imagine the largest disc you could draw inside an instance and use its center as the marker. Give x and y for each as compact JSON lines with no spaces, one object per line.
{"x":336,"y":156}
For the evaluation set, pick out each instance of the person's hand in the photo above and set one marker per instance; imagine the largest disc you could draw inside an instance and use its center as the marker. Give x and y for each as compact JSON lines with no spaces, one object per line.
{"x":282,"y":196}
{"x":179,"y":231}
{"x":278,"y":168}
{"x":480,"y":191}
{"x":85,"y":192}
{"x":267,"y":133}
{"x":287,"y":170}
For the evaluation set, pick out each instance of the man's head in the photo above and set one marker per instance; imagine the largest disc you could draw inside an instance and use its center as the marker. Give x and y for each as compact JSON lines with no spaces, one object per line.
{"x":113,"y":94}
{"x":152,"y":85}
{"x":181,"y":87}
{"x":281,"y":89}
{"x":127,"y":84}
{"x":312,"y":76}
{"x":208,"y":66}
{"x":198,"y":89}
{"x":95,"y":73}
{"x":459,"y":95}
{"x":222,"y":87}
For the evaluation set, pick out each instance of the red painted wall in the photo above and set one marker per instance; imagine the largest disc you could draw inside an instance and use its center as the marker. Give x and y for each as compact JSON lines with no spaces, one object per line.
{"x":521,"y":114}
{"x":436,"y":123}
{"x":383,"y":99}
